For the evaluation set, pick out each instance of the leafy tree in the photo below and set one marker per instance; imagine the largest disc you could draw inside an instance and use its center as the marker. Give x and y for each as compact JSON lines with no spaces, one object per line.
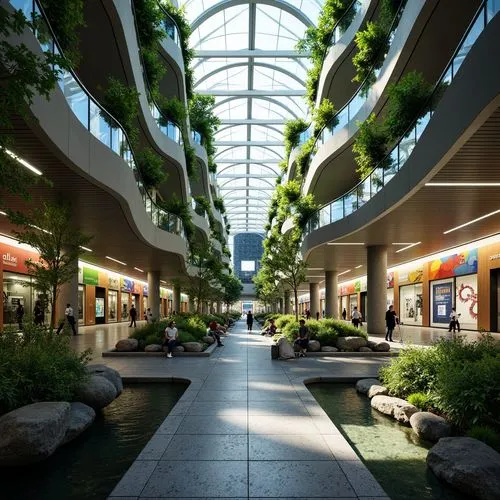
{"x":231,"y":289}
{"x":50,"y":230}
{"x":24,"y":75}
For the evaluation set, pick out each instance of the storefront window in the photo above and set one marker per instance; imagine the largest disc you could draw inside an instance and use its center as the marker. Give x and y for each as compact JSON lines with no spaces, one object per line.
{"x":81,"y":304}
{"x":390,"y":297}
{"x":16,"y":290}
{"x":410,"y":304}
{"x":442,"y":295}
{"x":112,"y":306}
{"x":466,"y":301}
{"x":353,"y":302}
{"x":345,"y":305}
{"x":124,"y":306}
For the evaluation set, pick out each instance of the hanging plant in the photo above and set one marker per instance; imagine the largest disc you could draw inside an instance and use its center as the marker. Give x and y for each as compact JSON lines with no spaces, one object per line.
{"x":150,"y":165}
{"x":291,"y":134}
{"x":324,"y":115}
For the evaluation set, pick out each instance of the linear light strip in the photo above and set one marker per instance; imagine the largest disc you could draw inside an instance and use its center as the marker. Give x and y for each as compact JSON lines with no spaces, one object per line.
{"x":116,"y":260}
{"x":411,"y":245}
{"x":24,"y":163}
{"x":137,"y":269}
{"x":462,"y":184}
{"x":357,"y":267}
{"x":344,"y":272}
{"x":471,"y":222}
{"x":344,"y":244}
{"x":86,"y":249}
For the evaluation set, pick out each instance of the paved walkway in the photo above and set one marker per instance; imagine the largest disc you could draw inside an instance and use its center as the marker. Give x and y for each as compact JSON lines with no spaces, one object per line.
{"x":247,"y":427}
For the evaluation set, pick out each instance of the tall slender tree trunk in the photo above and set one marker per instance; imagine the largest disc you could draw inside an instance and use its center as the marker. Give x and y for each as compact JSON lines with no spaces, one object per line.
{"x":296,"y":298}
{"x":54,"y":306}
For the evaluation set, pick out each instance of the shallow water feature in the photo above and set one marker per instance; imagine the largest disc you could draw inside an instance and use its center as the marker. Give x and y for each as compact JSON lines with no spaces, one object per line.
{"x":90,"y":466}
{"x":391,"y":451}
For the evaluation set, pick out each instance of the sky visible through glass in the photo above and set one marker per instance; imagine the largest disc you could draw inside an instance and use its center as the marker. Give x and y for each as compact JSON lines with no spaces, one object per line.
{"x":245,"y":56}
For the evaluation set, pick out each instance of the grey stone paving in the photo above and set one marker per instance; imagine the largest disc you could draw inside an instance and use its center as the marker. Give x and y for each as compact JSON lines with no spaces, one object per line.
{"x":247,"y":427}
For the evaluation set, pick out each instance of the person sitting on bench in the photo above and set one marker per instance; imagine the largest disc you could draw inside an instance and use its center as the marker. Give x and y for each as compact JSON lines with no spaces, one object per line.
{"x":302,"y":340}
{"x":213,"y":332}
{"x":270,"y":330}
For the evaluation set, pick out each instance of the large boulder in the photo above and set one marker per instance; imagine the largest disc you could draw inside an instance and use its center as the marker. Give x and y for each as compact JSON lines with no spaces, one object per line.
{"x":377,"y":390}
{"x":350,"y":343}
{"x":108,"y":373}
{"x":469,"y":465}
{"x":328,"y":348}
{"x":192,"y":346}
{"x":314,"y":346}
{"x":208,"y":339}
{"x":365,"y":349}
{"x":97,"y":392}
{"x":80,"y":418}
{"x":382,"y":347}
{"x":371,"y":344}
{"x":178,"y":348}
{"x":398,"y":408}
{"x":127,"y":345}
{"x":429,"y":426}
{"x":153,"y":348}
{"x":363,"y":385}
{"x":33,"y":432}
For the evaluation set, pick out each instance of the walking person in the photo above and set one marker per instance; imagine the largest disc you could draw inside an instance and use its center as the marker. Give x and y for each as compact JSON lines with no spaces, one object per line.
{"x":171,"y":334}
{"x":20,"y":315}
{"x":70,"y":318}
{"x":356,"y":317}
{"x":454,"y":323}
{"x":344,"y":314}
{"x":390,"y":322}
{"x":249,"y":320}
{"x":38,"y":313}
{"x":149,"y":315}
{"x":133,"y":316}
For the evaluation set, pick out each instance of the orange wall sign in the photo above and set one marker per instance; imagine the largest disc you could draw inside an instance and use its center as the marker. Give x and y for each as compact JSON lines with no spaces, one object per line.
{"x":13,"y":259}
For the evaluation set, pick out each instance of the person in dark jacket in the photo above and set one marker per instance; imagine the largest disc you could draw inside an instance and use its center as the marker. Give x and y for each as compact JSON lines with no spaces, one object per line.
{"x":249,"y":320}
{"x":390,"y":321}
{"x":133,"y":316}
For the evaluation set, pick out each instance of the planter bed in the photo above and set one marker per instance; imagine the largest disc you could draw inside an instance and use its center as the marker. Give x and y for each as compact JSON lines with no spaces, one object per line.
{"x":113,"y":353}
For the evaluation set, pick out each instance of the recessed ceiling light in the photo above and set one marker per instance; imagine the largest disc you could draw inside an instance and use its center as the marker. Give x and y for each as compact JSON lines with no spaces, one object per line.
{"x":116,"y":260}
{"x":163,"y":281}
{"x":24,"y":163}
{"x":409,"y":246}
{"x":462,"y":184}
{"x":315,"y":269}
{"x":357,"y":267}
{"x":344,"y":272}
{"x":85,"y":248}
{"x":401,"y":244}
{"x":2,"y":212}
{"x":137,"y":269}
{"x":345,"y":244}
{"x":310,"y":276}
{"x":471,"y":222}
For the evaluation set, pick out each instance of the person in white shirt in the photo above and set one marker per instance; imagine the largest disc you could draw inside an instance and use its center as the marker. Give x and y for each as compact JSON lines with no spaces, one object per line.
{"x":454,"y":321}
{"x":171,"y":334}
{"x":70,"y":317}
{"x":356,"y":317}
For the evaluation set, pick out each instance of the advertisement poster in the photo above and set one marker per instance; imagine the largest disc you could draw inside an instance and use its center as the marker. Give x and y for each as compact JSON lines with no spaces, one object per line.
{"x":114,"y":282}
{"x":411,"y":276}
{"x":442,"y":302}
{"x":390,"y":280}
{"x":126,"y":285}
{"x":466,"y":301}
{"x":99,"y":307}
{"x":454,"y":265}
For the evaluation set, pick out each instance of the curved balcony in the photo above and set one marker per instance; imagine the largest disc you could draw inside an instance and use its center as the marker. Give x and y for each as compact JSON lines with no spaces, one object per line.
{"x":337,"y":66}
{"x":97,"y":153}
{"x":417,"y":28}
{"x":397,"y":184}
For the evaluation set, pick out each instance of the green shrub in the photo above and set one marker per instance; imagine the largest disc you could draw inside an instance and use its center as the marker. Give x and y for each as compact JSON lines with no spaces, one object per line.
{"x":186,"y":337}
{"x":343,"y":329}
{"x":38,"y":366}
{"x":291,"y":134}
{"x":283,"y":320}
{"x":326,"y":335}
{"x":173,"y":109}
{"x":290,"y":330}
{"x":415,"y":370}
{"x":324,"y":115}
{"x":420,"y":400}
{"x":155,"y":338}
{"x":487,"y":435}
{"x":150,"y":165}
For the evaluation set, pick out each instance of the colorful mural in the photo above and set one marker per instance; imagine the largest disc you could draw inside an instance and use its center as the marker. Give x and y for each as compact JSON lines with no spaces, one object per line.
{"x":454,"y":265}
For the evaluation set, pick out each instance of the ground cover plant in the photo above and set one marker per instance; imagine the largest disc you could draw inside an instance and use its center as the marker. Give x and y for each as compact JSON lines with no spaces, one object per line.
{"x":38,"y":365}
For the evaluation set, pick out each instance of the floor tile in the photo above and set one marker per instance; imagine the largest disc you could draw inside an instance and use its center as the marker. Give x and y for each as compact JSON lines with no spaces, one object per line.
{"x":340,"y":448}
{"x":283,"y":425}
{"x":134,"y":480}
{"x":230,"y":424}
{"x":207,"y":447}
{"x":222,"y":396}
{"x":298,"y":479}
{"x":218,"y":408}
{"x":195,"y":479}
{"x":277,"y":408}
{"x":361,"y":479}
{"x":156,"y":447}
{"x":288,"y":447}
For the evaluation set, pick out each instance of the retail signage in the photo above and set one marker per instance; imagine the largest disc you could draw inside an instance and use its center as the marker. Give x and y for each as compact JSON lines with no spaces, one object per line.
{"x":113,"y":282}
{"x":347,"y":289}
{"x":454,"y":265}
{"x":145,"y":290}
{"x":126,"y":285}
{"x":137,"y":287}
{"x":14,"y":259}
{"x":90,"y":276}
{"x":415,"y":276}
{"x":390,"y":280}
{"x":442,"y":302}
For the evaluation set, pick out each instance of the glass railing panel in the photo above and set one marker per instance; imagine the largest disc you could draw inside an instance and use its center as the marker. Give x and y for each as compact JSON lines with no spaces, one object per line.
{"x":422,"y":124}
{"x":390,"y":170}
{"x":25,"y":5}
{"x":470,"y":40}
{"x":324,"y":216}
{"x":337,"y":210}
{"x":377,"y":180}
{"x":356,"y":104}
{"x":196,"y":136}
{"x":406,"y":147}
{"x":493,"y":7}
{"x":350,"y":202}
{"x":117,"y":138}
{"x":364,"y":192}
{"x":76,"y":98}
{"x":342,"y":119}
{"x":99,"y":126}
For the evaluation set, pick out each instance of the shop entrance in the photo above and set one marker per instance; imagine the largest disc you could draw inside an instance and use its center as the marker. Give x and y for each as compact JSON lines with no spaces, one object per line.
{"x":100,"y":305}
{"x":495,"y":300}
{"x":364,"y":310}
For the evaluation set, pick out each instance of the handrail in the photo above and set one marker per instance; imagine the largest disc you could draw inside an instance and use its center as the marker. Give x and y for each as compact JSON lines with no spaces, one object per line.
{"x":344,"y":115}
{"x":392,"y":163}
{"x":91,"y":114}
{"x":171,"y":29}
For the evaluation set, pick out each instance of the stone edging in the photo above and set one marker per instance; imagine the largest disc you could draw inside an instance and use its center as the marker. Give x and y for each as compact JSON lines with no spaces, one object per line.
{"x":138,"y":354}
{"x":374,"y":354}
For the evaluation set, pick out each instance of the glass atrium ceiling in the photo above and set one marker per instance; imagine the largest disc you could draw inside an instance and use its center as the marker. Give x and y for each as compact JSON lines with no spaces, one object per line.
{"x":246,"y":58}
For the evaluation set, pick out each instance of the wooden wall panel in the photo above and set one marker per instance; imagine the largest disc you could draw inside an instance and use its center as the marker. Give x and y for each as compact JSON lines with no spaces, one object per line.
{"x":89,"y":305}
{"x":488,"y":259}
{"x":426,"y":297}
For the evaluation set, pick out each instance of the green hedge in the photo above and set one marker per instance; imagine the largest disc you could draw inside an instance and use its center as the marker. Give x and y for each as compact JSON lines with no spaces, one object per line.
{"x":38,"y":366}
{"x":461,"y":379}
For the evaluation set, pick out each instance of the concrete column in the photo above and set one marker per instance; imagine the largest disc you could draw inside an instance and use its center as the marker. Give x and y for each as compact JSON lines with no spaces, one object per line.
{"x":154,"y":300}
{"x":376,"y":287}
{"x":314,"y":302}
{"x":219,"y":307}
{"x":331,"y":294}
{"x":68,"y":294}
{"x":280,"y":306}
{"x":176,"y":299}
{"x":286,"y":299}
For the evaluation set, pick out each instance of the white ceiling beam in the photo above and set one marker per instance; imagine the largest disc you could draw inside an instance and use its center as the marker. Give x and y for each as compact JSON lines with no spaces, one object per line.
{"x":255,"y":93}
{"x":247,"y":161}
{"x":247,"y":188}
{"x":252,"y":121}
{"x":246,"y":176}
{"x":248,"y":143}
{"x":223,"y":54}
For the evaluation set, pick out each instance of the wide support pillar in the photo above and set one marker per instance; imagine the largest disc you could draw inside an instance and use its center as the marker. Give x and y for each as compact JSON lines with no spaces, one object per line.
{"x":280,"y":306}
{"x":219,"y":307}
{"x":331,"y":294}
{"x":314,"y":301}
{"x":154,"y":293}
{"x":176,"y":299}
{"x":376,"y":286}
{"x":286,"y":299}
{"x":68,"y":294}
